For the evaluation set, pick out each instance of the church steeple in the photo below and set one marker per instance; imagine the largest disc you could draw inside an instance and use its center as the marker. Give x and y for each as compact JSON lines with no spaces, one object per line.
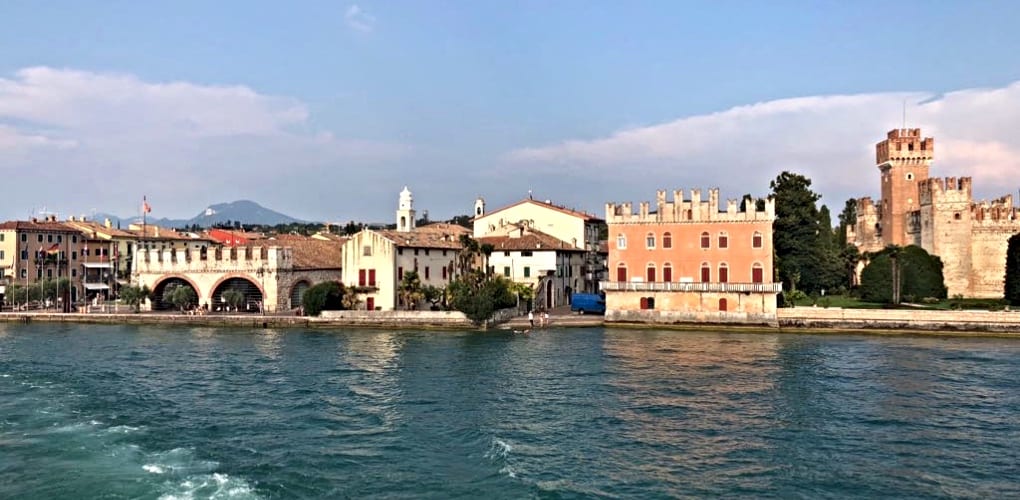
{"x":405,"y":211}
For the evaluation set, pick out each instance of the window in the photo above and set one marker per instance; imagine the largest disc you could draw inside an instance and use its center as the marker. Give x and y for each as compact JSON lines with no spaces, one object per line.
{"x":956,"y":216}
{"x":400,"y":273}
{"x":361,"y":277}
{"x":722,"y":305}
{"x":506,"y":253}
{"x":400,"y":251}
{"x":1,"y":236}
{"x":724,"y":273}
{"x":621,"y":273}
{"x":667,"y":240}
{"x":650,"y":240}
{"x":706,"y":273}
{"x":49,"y":238}
{"x":74,"y":239}
{"x":426,"y":251}
{"x":49,"y":273}
{"x":426,"y":272}
{"x":910,"y":176}
{"x":706,"y":240}
{"x":527,"y":271}
{"x":621,"y":242}
{"x":667,"y":272}
{"x":650,"y":273}
{"x":24,"y":274}
{"x":366,"y":250}
{"x":506,"y":271}
{"x":756,"y":240}
{"x":724,"y":240}
{"x":74,"y":273}
{"x":371,"y":277}
{"x":40,"y":238}
{"x":60,"y":238}
{"x":444,"y":272}
{"x":647,"y":302}
{"x":526,"y":253}
{"x":24,"y":255}
{"x":1,"y":255}
{"x":757,"y":273}
{"x":416,"y":251}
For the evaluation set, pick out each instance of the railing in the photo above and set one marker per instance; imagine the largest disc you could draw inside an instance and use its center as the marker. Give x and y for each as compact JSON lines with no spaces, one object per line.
{"x":640,"y":286}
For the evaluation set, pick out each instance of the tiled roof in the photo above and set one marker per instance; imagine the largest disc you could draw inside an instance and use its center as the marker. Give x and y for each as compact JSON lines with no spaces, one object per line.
{"x":162,"y":233}
{"x":289,"y":237}
{"x":531,"y":240}
{"x":569,"y":211}
{"x":316,"y":254}
{"x":437,"y":235}
{"x":330,"y":237}
{"x":27,"y":225}
{"x":88,"y":227}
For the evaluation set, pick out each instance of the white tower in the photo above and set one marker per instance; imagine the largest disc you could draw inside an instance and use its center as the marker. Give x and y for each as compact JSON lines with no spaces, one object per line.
{"x":405,"y":211}
{"x":479,"y":207}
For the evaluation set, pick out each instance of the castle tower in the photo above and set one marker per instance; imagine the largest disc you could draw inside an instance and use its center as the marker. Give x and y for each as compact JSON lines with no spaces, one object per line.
{"x":405,"y":211}
{"x":904,"y":159}
{"x":479,"y":207}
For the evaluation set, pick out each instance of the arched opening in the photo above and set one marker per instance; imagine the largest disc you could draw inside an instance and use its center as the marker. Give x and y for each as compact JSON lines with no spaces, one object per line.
{"x":224,"y":297}
{"x":162,"y":294}
{"x":297,"y":293}
{"x":724,"y":273}
{"x":667,"y":240}
{"x":724,"y":240}
{"x":650,"y":273}
{"x":549,"y":294}
{"x":706,"y":272}
{"x":757,"y":273}
{"x":756,"y":240}
{"x":706,"y":240}
{"x":650,"y":240}
{"x":667,"y":272}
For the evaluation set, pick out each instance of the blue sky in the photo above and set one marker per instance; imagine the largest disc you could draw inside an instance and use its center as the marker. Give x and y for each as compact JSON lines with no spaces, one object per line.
{"x":325,"y":110}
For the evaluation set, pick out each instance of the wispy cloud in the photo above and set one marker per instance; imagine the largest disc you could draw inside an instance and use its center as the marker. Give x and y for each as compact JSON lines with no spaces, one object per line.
{"x":359,"y":20}
{"x":100,"y":138}
{"x":828,"y":138}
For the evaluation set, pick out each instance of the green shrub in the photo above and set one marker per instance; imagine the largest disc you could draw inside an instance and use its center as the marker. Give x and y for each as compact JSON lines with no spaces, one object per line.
{"x":325,"y":296}
{"x":920,"y":275}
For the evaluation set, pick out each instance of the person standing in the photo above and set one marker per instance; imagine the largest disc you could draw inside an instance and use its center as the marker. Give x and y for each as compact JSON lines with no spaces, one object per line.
{"x":531,"y":318}
{"x":545,"y":318}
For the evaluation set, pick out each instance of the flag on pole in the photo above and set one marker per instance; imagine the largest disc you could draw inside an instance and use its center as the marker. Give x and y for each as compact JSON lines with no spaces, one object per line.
{"x":53,"y":250}
{"x":146,"y":208}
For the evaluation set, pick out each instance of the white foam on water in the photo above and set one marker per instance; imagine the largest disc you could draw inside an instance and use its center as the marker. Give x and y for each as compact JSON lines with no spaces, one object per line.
{"x":213,"y":486}
{"x":499,"y":451}
{"x":155,"y":469}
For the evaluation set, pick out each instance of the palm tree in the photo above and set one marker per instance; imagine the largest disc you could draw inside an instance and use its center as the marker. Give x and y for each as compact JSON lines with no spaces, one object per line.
{"x":894,"y":262}
{"x":487,"y":249}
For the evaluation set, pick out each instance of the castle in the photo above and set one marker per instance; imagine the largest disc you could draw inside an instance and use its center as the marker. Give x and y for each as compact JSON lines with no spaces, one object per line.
{"x":937,"y":214}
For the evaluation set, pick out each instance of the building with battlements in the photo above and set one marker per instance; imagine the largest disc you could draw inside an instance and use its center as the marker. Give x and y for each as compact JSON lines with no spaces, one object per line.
{"x":687,"y":261}
{"x":937,"y":214}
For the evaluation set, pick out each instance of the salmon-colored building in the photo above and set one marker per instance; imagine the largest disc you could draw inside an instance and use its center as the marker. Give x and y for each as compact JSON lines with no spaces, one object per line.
{"x":684,"y":260}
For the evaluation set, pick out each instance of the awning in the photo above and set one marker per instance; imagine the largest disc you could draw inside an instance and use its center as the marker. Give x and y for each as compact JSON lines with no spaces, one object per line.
{"x":97,"y":265}
{"x":96,"y":286}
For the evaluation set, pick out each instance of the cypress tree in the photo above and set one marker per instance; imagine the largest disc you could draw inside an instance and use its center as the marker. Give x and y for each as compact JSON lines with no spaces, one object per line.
{"x":1012,"y":290}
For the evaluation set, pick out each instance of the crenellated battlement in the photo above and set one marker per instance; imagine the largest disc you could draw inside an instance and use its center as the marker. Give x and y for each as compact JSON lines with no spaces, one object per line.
{"x":903,"y":146}
{"x":999,"y":210}
{"x":937,"y":190}
{"x":692,"y":209}
{"x":215,"y":259}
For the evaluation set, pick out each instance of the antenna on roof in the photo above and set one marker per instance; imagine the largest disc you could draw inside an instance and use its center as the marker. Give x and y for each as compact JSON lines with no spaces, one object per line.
{"x":529,"y":195}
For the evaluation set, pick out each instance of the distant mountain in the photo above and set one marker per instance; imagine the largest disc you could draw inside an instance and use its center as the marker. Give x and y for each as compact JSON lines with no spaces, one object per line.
{"x":245,"y":211}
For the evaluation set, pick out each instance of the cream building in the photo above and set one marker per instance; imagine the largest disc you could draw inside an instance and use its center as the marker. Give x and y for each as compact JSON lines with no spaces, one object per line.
{"x":552,"y":267}
{"x":575,"y":228}
{"x":374,"y":260}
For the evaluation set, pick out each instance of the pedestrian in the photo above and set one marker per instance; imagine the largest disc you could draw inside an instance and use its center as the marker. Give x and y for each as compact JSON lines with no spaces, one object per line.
{"x":545,"y":318}
{"x":531,"y":318}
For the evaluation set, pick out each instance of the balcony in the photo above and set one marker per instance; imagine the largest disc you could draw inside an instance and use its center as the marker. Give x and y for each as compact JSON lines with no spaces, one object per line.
{"x":641,"y":286}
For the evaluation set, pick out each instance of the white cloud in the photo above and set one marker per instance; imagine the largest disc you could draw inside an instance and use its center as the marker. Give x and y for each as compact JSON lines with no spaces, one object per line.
{"x":359,"y":20}
{"x":830,"y":139}
{"x":88,"y":139}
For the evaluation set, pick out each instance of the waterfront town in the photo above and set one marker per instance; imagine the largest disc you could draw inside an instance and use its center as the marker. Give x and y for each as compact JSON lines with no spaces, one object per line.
{"x":689,"y":256}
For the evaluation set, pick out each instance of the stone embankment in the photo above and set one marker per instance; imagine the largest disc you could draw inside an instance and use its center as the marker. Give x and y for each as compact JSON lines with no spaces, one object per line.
{"x":894,"y":320}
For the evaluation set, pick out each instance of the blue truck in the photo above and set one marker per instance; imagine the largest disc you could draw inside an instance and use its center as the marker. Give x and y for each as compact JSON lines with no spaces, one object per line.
{"x":587,"y":303}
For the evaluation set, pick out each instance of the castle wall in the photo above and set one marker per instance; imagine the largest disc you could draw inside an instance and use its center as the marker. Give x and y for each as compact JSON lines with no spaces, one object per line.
{"x":946,"y":203}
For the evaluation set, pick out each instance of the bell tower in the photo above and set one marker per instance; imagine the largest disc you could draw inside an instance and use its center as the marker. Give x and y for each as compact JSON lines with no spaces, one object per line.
{"x":904,"y":159}
{"x":479,"y":207}
{"x":405,"y":211}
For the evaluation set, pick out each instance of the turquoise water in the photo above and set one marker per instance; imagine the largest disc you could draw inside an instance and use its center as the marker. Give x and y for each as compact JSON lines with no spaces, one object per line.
{"x":155,"y":412}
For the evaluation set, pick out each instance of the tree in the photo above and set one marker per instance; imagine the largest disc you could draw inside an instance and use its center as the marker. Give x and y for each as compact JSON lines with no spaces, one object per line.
{"x":181,"y":296}
{"x":795,"y":232}
{"x":468,"y":253}
{"x":487,"y":249}
{"x":1012,"y":285}
{"x":326,"y":296}
{"x":234,"y":298}
{"x":134,"y":295}
{"x":410,"y":290}
{"x":478,"y":298}
{"x":434,"y":295}
{"x":898,"y":273}
{"x":847,"y":219}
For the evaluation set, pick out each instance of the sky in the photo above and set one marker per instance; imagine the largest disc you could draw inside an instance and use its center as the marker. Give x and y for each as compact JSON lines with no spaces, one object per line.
{"x":326,"y":110}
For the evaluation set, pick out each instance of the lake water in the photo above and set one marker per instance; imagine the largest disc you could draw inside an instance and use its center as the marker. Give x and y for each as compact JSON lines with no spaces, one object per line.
{"x":160,"y":412}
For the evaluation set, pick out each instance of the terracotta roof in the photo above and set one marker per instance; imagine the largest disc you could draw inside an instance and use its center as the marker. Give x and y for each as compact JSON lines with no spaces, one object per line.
{"x":27,"y":225}
{"x":289,"y":237}
{"x":92,"y":226}
{"x":330,"y":237}
{"x":316,"y":254}
{"x":437,"y":235}
{"x":530,"y":240}
{"x":576,"y":213}
{"x":162,"y":233}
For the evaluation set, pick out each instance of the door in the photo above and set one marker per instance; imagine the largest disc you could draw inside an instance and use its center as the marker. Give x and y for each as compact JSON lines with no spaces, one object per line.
{"x":706,"y":274}
{"x":724,"y":274}
{"x":370,"y":303}
{"x":651,"y":275}
{"x":621,"y":274}
{"x":667,"y":274}
{"x":756,"y":275}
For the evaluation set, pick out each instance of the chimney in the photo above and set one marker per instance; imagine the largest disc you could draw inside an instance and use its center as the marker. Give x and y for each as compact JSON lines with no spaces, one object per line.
{"x":107,"y":223}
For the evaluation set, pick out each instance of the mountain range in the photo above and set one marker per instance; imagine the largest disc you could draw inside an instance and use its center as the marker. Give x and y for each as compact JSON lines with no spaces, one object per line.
{"x":245,"y":211}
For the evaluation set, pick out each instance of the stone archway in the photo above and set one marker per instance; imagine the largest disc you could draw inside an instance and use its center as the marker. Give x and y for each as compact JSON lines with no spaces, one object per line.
{"x":297,"y":292}
{"x":159,"y":303}
{"x":252,"y":295}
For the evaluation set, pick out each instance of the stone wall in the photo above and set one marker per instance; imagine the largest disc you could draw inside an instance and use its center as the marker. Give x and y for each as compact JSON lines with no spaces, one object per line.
{"x":692,"y":307}
{"x":947,"y":226}
{"x":899,"y":319}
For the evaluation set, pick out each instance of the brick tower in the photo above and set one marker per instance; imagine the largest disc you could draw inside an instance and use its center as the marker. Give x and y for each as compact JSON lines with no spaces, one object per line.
{"x":904,"y":159}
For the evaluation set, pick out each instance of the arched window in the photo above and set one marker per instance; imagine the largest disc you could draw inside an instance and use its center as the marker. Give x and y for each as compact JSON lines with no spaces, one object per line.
{"x":667,"y":240}
{"x":706,"y":240}
{"x":756,"y":240}
{"x":722,"y":305}
{"x":650,"y":240}
{"x":706,"y":272}
{"x":724,"y":240}
{"x":724,"y":273}
{"x":650,"y":273}
{"x":621,"y":242}
{"x":757,"y":273}
{"x":667,"y":272}
{"x":621,"y":273}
